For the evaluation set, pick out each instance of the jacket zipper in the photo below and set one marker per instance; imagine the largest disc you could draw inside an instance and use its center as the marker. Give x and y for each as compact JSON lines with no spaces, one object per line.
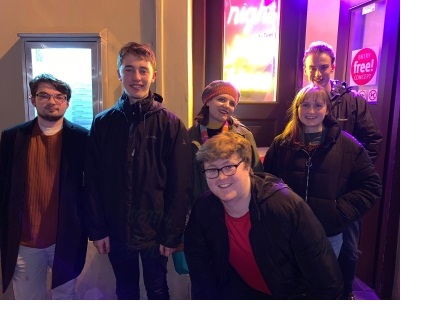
{"x":308,"y":165}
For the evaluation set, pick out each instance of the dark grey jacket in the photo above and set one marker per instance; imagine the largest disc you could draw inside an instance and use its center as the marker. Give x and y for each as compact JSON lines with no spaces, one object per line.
{"x":139,"y":172}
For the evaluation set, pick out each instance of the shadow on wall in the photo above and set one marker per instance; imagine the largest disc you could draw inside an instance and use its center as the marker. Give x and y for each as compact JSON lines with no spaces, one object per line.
{"x":11,"y":88}
{"x":97,"y":280}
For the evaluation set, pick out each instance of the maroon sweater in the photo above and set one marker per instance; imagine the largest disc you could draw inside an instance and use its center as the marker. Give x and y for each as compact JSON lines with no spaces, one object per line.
{"x":39,"y":221}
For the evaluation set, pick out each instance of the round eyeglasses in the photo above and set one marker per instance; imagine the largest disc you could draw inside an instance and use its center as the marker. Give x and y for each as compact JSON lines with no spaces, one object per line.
{"x":45,"y":97}
{"x":228,"y":170}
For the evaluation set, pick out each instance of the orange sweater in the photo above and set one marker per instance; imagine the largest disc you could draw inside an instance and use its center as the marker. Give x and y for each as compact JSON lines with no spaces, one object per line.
{"x":39,"y":221}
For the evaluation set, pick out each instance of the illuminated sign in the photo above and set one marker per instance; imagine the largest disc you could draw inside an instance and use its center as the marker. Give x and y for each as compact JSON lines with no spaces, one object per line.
{"x":252,"y":48}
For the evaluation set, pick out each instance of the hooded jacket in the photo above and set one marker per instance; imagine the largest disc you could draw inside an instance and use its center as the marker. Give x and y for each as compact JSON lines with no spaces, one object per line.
{"x":140,"y":175}
{"x":337,"y":180}
{"x":288,"y":242}
{"x":71,"y":238}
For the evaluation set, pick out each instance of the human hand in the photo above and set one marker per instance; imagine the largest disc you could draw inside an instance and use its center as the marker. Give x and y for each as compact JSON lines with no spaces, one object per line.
{"x":102,"y":245}
{"x":166,"y":251}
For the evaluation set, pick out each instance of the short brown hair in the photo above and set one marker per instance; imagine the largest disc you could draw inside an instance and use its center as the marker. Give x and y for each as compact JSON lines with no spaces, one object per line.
{"x":143,"y":51}
{"x":319,"y":47}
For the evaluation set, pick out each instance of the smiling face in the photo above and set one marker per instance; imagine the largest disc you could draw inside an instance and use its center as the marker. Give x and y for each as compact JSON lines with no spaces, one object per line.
{"x":312,"y":112}
{"x":136,"y":75}
{"x":318,"y":69}
{"x":221,"y":109}
{"x":231,"y":190}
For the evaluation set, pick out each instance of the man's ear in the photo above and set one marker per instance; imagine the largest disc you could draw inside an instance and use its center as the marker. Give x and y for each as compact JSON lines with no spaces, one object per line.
{"x":119,"y":74}
{"x":154,"y":77}
{"x":333,"y":67}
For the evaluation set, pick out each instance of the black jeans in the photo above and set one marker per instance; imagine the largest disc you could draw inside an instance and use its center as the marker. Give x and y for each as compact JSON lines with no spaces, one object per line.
{"x":125,"y":264}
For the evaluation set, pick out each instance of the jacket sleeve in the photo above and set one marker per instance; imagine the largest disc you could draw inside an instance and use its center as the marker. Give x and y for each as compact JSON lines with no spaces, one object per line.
{"x":199,"y":260}
{"x":366,"y":130}
{"x":5,"y":154}
{"x":270,"y":160}
{"x":256,"y":159}
{"x":177,"y":199}
{"x":365,"y":188}
{"x":315,"y":256}
{"x":95,"y":217}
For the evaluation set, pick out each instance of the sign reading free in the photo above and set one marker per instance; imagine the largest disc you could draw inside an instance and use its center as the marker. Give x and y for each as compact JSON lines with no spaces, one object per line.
{"x":364,"y":65}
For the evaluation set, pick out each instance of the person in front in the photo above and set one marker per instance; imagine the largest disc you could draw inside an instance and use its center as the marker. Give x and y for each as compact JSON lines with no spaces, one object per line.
{"x":251,"y":237}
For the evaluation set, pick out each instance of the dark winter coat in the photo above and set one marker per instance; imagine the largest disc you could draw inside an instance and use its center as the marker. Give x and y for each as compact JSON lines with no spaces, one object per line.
{"x":71,"y":239}
{"x":338,"y":179}
{"x":139,"y":174}
{"x":288,"y":242}
{"x":354,"y":116}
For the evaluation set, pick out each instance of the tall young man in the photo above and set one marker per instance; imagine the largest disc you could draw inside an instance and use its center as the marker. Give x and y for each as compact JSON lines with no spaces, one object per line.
{"x":140,"y":178}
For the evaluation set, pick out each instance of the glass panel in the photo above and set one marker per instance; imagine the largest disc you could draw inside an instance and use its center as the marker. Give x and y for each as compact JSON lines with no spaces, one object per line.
{"x":366,"y":37}
{"x":251,"y":45}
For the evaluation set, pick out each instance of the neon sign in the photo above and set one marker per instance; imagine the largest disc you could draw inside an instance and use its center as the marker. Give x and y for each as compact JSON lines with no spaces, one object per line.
{"x":251,"y":48}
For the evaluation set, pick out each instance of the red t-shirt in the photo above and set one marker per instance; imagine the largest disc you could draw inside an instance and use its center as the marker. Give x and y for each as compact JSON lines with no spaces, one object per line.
{"x":241,"y":254}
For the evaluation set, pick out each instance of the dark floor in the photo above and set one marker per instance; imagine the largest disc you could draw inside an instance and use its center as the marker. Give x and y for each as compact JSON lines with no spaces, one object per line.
{"x":363,"y":292}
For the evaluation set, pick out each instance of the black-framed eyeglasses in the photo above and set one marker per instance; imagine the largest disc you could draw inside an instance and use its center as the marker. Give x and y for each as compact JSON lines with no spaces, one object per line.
{"x":58,"y":98}
{"x":228,"y":170}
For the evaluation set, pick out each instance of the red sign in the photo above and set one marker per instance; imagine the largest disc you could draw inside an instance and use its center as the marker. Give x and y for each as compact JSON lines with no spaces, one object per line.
{"x":364,"y":66}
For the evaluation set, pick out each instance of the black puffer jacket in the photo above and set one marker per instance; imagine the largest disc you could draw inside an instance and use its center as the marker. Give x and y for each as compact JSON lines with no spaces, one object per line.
{"x":289,"y":244}
{"x":139,"y":172}
{"x":338,"y":180}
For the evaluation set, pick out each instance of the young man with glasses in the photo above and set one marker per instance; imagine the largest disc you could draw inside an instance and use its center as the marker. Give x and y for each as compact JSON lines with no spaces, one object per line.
{"x":251,"y":236}
{"x":41,"y":197}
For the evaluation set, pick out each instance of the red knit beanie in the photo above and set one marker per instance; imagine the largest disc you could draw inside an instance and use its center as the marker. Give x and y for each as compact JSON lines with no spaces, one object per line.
{"x":219,"y":87}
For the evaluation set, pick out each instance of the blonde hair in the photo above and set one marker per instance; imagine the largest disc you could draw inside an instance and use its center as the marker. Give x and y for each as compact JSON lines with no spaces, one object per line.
{"x":223,"y":146}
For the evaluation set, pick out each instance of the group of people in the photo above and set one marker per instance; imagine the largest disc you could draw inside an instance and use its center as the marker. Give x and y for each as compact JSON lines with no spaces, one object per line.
{"x":139,"y":183}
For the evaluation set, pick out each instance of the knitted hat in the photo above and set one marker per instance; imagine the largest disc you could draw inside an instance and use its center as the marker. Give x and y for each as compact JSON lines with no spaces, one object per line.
{"x":219,"y":87}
